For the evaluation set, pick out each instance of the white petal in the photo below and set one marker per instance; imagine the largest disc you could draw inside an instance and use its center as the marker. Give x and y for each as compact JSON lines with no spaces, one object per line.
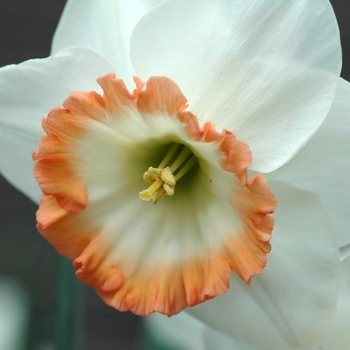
{"x":338,"y":335}
{"x":192,"y":334}
{"x":104,"y":26}
{"x":345,"y":252}
{"x":266,"y":70}
{"x":181,"y":331}
{"x":185,"y":332}
{"x":214,"y":340}
{"x":294,"y":298}
{"x":28,"y":91}
{"x":323,"y":165}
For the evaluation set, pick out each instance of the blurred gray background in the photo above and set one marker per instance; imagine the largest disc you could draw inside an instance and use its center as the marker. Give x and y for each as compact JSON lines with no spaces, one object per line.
{"x":26,"y":29}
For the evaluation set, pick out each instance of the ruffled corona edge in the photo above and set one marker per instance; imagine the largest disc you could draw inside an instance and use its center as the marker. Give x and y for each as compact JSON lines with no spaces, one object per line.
{"x":66,"y":220}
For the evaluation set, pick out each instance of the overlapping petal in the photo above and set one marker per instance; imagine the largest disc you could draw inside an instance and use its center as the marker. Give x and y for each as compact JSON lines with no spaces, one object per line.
{"x":213,"y":340}
{"x":293,"y":301}
{"x":28,"y":91}
{"x":337,"y":336}
{"x":184,"y":332}
{"x":323,"y":165}
{"x":181,"y":331}
{"x":104,"y":26}
{"x":266,"y":70}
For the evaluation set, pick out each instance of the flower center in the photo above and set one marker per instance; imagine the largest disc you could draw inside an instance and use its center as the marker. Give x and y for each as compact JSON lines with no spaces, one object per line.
{"x":162,"y":180}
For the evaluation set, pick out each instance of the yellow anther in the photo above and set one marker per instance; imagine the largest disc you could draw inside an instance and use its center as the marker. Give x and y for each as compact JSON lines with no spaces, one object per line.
{"x":162,"y":180}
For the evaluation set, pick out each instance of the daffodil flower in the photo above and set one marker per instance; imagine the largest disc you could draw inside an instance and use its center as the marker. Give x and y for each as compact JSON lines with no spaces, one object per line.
{"x":209,"y":89}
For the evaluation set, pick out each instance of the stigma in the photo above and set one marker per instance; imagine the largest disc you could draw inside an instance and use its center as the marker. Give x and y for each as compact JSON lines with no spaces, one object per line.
{"x":162,"y":180}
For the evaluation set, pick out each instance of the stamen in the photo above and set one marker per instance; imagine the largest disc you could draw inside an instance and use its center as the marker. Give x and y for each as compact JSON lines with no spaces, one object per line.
{"x":173,"y":148}
{"x":188,"y":166}
{"x":185,"y":152}
{"x":162,"y":180}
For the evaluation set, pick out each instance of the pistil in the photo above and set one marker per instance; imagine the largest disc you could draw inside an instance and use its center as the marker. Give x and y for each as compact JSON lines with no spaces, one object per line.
{"x":162,"y":180}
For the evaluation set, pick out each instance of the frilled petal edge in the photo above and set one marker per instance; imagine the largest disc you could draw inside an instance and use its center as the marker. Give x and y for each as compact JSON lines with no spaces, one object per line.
{"x":178,"y":254}
{"x":293,"y":300}
{"x":185,"y":332}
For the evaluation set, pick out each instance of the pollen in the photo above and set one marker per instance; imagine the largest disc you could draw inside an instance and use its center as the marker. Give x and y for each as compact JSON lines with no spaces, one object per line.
{"x":162,"y":180}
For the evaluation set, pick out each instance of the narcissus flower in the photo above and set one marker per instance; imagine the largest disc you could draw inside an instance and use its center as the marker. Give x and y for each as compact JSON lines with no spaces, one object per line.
{"x":222,"y":86}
